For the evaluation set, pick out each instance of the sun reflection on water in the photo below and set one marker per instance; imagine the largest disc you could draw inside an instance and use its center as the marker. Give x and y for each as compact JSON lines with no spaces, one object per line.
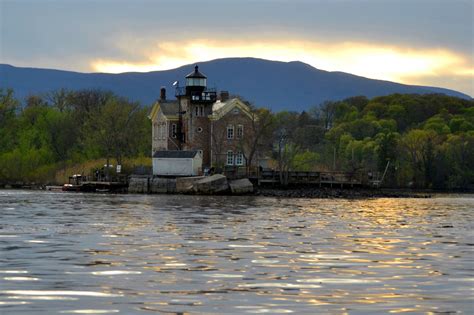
{"x":255,"y":255}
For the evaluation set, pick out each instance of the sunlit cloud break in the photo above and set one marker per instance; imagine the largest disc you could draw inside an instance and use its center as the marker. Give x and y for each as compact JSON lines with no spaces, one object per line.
{"x":374,"y":61}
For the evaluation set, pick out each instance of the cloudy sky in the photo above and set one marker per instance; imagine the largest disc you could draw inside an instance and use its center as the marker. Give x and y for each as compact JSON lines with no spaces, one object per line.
{"x":427,"y":42}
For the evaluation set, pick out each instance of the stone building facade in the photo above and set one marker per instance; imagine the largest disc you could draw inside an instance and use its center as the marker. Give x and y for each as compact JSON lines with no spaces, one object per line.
{"x":199,"y":119}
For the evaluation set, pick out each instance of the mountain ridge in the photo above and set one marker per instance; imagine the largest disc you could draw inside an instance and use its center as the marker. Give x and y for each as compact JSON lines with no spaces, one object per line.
{"x":278,"y":85}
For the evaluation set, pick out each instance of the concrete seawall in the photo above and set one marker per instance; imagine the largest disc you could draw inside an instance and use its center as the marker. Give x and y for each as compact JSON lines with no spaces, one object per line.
{"x":209,"y":185}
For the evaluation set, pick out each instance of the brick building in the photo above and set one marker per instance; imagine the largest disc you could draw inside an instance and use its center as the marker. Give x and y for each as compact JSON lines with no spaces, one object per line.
{"x":201,"y":120}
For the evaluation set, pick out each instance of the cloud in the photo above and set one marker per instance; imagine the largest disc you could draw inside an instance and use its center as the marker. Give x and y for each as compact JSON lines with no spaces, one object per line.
{"x":392,"y":40}
{"x":372,"y":60}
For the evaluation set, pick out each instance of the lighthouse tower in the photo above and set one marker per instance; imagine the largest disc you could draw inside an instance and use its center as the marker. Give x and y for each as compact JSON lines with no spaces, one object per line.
{"x":196,"y":102}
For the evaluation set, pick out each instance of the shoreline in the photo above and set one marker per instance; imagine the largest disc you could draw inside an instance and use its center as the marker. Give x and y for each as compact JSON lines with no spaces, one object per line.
{"x":348,"y":193}
{"x":303,"y":192}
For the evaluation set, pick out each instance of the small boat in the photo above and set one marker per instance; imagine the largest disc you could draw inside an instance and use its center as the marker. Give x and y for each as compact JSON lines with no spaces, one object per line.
{"x":71,"y":187}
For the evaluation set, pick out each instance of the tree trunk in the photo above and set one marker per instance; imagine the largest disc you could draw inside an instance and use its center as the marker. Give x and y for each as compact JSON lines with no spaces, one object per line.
{"x":107,"y":168}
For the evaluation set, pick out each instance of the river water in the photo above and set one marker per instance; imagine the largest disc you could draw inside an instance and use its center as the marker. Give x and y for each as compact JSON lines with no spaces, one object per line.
{"x":68,"y":253}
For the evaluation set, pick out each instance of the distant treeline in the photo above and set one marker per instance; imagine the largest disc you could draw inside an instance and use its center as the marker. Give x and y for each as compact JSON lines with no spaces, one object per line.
{"x":424,"y":141}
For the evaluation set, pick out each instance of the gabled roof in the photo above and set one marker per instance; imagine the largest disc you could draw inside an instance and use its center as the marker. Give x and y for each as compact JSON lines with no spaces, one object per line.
{"x":220,"y":109}
{"x":167,"y":108}
{"x":175,"y":154}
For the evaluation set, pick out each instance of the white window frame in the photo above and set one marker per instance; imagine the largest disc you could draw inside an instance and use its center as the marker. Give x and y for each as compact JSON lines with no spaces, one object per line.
{"x":240,"y":131}
{"x":230,"y":132}
{"x":229,"y":158}
{"x":239,"y":159}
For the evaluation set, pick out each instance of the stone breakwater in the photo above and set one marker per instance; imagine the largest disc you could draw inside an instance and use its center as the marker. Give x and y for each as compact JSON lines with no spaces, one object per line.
{"x":209,"y":185}
{"x":349,"y":193}
{"x":219,"y":184}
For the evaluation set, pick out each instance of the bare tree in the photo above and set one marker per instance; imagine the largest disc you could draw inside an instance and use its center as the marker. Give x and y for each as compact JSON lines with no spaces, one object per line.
{"x":219,"y":139}
{"x":60,"y":99}
{"x":259,"y":136}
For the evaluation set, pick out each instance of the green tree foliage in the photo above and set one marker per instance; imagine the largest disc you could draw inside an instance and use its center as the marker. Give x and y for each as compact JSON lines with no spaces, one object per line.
{"x":67,"y":127}
{"x":8,"y":123}
{"x":419,"y":148}
{"x":8,"y":106}
{"x":423,"y":140}
{"x":115,"y":129}
{"x":457,"y":161}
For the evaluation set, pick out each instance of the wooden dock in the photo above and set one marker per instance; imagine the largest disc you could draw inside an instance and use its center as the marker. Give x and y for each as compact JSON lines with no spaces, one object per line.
{"x":81,"y":183}
{"x":331,"y":179}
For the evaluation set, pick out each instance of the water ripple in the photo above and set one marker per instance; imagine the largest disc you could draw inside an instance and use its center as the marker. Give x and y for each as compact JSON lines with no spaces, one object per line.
{"x":132,"y":254}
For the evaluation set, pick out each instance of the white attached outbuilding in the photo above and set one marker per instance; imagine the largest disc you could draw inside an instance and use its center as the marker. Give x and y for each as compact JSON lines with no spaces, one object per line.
{"x":177,"y":163}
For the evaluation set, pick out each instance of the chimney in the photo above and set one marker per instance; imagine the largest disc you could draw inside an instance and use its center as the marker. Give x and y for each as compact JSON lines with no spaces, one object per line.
{"x":224,"y":96}
{"x":162,"y":94}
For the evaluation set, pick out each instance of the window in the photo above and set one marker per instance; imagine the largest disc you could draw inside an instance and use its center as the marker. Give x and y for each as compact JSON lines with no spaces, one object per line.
{"x":173,"y":130}
{"x":196,"y":82}
{"x":155,"y":131}
{"x":240,"y":131}
{"x":200,"y":152}
{"x":235,"y":111}
{"x":230,"y":132}
{"x":230,"y":158}
{"x":199,"y":111}
{"x":239,"y":159}
{"x":161,"y":131}
{"x":199,"y":129}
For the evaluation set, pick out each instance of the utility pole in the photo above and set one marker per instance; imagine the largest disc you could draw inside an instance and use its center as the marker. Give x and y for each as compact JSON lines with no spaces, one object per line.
{"x":385,"y":172}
